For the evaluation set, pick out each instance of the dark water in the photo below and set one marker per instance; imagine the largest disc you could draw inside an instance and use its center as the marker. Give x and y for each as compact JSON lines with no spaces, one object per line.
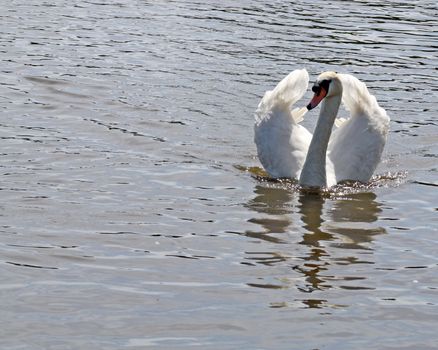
{"x":128,"y":214}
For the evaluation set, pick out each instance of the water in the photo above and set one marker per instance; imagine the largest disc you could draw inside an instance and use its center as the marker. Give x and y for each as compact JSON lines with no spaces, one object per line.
{"x":132,"y":213}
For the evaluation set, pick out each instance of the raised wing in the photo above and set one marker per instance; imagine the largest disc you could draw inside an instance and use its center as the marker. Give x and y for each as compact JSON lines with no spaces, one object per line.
{"x":287,"y":92}
{"x":281,"y":142}
{"x":355,"y":148}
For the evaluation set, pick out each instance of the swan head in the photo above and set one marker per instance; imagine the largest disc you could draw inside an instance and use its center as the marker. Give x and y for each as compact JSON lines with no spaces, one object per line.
{"x":327,"y":84}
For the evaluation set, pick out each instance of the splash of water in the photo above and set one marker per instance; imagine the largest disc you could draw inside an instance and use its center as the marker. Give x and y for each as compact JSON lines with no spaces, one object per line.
{"x":387,"y":179}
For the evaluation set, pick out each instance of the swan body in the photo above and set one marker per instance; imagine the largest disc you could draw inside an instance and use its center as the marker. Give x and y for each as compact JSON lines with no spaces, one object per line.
{"x":351,"y":152}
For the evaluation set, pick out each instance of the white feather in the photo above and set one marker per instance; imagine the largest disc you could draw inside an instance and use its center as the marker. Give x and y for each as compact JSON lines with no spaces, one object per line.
{"x":354,"y":149}
{"x":281,"y":143}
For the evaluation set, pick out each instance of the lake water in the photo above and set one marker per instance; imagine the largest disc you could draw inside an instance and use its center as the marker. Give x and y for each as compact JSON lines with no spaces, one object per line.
{"x":131,"y":215}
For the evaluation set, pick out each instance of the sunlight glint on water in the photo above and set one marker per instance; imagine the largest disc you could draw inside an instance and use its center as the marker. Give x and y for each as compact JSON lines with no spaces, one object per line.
{"x":134,"y":211}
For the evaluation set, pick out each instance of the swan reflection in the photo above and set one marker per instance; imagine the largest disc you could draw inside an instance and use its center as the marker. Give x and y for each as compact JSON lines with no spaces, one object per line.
{"x":274,"y":202}
{"x":311,"y":209}
{"x":353,"y":217}
{"x":316,"y":232}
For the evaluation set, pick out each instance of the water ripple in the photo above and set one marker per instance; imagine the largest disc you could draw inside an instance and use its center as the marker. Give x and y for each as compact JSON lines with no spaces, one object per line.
{"x":122,"y":203}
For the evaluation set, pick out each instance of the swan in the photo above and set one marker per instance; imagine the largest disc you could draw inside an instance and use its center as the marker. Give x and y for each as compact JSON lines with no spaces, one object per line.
{"x":287,"y":149}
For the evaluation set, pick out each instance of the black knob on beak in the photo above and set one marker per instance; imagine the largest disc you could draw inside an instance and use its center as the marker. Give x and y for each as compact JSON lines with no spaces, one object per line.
{"x":316,"y":89}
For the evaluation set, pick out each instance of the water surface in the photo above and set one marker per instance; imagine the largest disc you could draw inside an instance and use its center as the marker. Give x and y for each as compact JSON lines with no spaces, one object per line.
{"x":129,"y":217}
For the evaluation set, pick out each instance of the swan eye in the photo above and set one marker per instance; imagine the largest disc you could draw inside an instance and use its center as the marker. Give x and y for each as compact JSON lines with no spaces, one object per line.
{"x":325,"y":84}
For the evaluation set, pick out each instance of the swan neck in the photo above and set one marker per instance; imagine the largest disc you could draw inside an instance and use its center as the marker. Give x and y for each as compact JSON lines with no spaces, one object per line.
{"x":314,"y":169}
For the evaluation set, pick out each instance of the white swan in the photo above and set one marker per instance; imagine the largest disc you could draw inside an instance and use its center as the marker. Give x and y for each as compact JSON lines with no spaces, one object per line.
{"x":351,"y":152}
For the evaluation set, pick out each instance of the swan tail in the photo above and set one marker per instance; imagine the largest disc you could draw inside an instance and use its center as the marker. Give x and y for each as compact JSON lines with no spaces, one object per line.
{"x":298,"y":114}
{"x":339,"y":122}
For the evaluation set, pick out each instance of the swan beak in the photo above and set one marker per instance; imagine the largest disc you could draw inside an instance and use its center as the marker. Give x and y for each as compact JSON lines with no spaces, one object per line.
{"x":320,"y":93}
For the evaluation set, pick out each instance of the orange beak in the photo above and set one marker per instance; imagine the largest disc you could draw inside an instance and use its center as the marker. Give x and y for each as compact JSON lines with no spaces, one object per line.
{"x":320,"y":93}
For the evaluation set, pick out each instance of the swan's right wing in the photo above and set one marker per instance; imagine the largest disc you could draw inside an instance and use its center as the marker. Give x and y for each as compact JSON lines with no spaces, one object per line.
{"x":356,"y":147}
{"x":281,"y":142}
{"x":287,"y":92}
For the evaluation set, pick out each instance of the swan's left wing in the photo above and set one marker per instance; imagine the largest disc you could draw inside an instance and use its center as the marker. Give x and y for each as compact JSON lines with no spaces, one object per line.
{"x":281,"y":142}
{"x":356,"y":147}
